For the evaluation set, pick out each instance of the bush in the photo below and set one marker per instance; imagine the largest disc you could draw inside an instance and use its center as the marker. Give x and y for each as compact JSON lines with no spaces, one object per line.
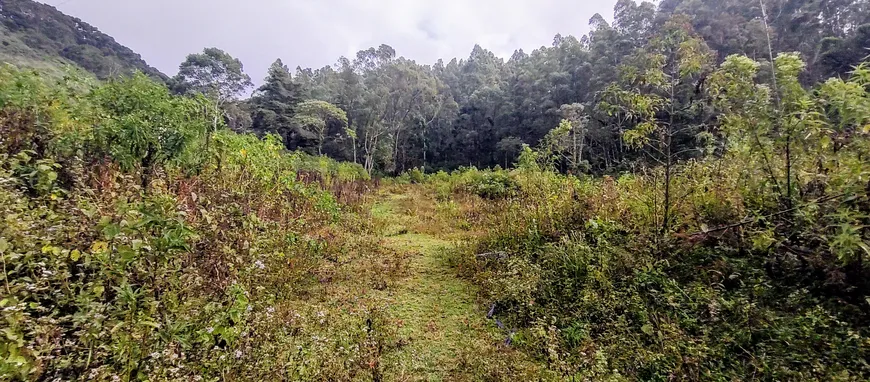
{"x":493,"y":185}
{"x":596,"y":291}
{"x":416,"y":176}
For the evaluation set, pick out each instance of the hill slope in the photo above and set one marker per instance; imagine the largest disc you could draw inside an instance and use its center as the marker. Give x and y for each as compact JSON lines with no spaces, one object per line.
{"x":38,"y":35}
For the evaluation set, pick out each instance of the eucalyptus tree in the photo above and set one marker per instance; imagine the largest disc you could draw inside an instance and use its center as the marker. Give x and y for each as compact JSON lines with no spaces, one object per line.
{"x":482,"y":93}
{"x":217,"y":75}
{"x":439,"y":112}
{"x":382,"y":101}
{"x":433,"y":104}
{"x":576,"y":117}
{"x":391,"y":102}
{"x":316,"y":117}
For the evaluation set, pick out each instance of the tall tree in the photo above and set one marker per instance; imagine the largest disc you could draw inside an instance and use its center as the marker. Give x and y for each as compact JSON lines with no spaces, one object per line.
{"x":482,"y":93}
{"x":215,"y":74}
{"x":457,"y":112}
{"x":315,"y":118}
{"x":575,"y":115}
{"x":658,"y":96}
{"x":840,"y":55}
{"x":275,"y":101}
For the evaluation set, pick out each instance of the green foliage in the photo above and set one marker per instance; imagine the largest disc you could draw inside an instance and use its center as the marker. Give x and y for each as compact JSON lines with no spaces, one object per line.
{"x":115,"y":286}
{"x":329,"y":169}
{"x":594,"y":298}
{"x":315,"y":117}
{"x":416,"y":176}
{"x":492,"y":185}
{"x":39,"y":176}
{"x":803,"y":144}
{"x":474,"y":110}
{"x":27,"y":97}
{"x":213,"y":73}
{"x":529,"y":159}
{"x":274,"y":103}
{"x":552,"y":143}
{"x":755,"y":281}
{"x":145,"y":125}
{"x":650,"y":101}
{"x":193,"y":279}
{"x":842,"y":53}
{"x":141,"y":241}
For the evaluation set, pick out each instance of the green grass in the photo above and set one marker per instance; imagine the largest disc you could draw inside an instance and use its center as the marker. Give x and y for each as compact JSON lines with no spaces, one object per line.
{"x":436,"y":314}
{"x":442,"y":331}
{"x":387,"y":216}
{"x":14,"y":51}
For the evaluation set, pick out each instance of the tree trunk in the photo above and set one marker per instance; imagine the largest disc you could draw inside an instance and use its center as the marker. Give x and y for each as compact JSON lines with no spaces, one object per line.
{"x":669,"y":158}
{"x":147,"y":170}
{"x":353,"y":140}
{"x":396,"y":152}
{"x":320,"y":145}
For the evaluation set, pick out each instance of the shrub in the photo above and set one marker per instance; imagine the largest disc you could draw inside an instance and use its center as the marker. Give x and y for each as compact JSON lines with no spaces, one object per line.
{"x":582,"y":269}
{"x":492,"y":185}
{"x":416,"y":176}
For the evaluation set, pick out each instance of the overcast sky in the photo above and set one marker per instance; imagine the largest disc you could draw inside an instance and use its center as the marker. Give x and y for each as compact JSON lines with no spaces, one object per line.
{"x":314,"y":33}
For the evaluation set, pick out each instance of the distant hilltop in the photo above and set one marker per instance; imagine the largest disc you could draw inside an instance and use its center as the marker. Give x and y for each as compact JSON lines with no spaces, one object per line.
{"x":37,"y":35}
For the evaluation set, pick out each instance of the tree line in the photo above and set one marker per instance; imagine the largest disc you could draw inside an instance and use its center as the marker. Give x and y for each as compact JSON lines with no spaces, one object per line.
{"x":577,"y":96}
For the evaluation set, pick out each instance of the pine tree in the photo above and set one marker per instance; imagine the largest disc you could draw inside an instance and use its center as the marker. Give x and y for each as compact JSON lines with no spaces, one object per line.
{"x":275,"y":102}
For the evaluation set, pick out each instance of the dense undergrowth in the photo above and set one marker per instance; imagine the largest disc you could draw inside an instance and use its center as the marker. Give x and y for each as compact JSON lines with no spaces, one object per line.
{"x":140,"y":243}
{"x":756,"y":269}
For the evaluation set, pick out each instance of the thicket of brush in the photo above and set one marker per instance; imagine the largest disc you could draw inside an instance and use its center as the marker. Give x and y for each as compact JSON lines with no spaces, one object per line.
{"x":140,"y":241}
{"x":747,"y":263}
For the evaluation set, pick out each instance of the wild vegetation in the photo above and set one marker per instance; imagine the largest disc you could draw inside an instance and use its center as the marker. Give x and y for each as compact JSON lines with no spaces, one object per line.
{"x":679,"y":195}
{"x":749,"y":264}
{"x":135,"y":244}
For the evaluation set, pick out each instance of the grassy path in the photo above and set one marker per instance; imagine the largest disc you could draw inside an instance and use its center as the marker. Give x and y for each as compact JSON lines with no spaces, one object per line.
{"x":444,"y":333}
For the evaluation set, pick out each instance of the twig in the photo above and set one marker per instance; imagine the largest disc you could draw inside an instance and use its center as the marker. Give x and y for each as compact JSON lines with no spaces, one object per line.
{"x":6,"y":275}
{"x":510,"y":337}
{"x":752,"y":220}
{"x":493,"y":255}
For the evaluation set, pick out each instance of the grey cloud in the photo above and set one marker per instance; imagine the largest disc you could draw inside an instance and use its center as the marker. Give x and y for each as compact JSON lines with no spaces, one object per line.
{"x":314,"y":33}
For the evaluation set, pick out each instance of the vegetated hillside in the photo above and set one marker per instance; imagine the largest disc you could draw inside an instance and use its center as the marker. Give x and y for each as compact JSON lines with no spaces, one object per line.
{"x":15,"y":51}
{"x":38,"y":35}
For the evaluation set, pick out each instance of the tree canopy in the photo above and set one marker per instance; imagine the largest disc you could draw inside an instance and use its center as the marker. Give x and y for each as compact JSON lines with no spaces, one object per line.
{"x":479,"y":110}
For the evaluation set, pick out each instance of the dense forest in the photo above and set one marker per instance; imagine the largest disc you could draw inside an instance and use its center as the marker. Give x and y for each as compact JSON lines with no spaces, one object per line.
{"x":680,"y":195}
{"x":481,"y":110}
